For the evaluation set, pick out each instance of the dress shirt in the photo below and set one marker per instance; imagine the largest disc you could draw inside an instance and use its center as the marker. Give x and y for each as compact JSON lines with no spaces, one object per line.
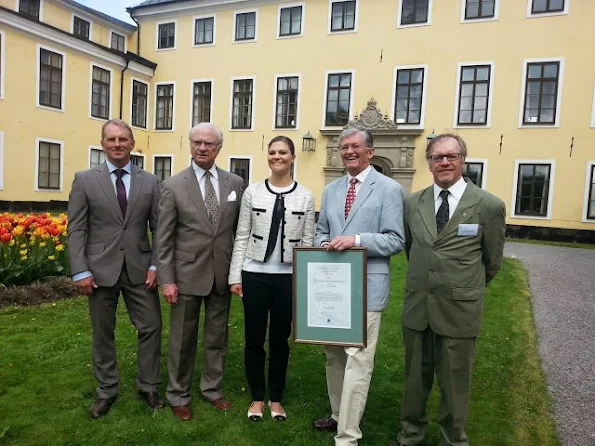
{"x":456,"y":192}
{"x":361,"y":177}
{"x":200,"y":177}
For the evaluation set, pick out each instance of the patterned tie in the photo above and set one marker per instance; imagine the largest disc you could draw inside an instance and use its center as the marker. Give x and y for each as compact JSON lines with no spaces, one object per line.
{"x":121,"y":190}
{"x":211,"y":201}
{"x":350,"y":196}
{"x":443,"y":211}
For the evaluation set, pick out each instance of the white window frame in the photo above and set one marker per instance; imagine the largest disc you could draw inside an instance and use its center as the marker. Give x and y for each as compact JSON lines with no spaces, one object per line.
{"x":550,"y":196}
{"x":212,"y":81}
{"x":91,"y":148}
{"x":164,"y":22}
{"x":556,"y":123}
{"x":592,"y":108}
{"x":413,"y":25}
{"x":546,"y":14}
{"x":3,"y":66}
{"x":297,"y":116}
{"x":286,"y":6}
{"x":330,"y":17}
{"x":455,"y":120}
{"x":487,"y":19}
{"x":36,"y":173}
{"x":235,"y":18}
{"x":422,"y":116}
{"x":79,"y":16}
{"x":142,"y":155}
{"x":351,"y":95}
{"x":590,"y":165}
{"x":241,"y":157}
{"x":62,"y":109}
{"x":132,"y":79}
{"x":111,"y":32}
{"x":2,"y":163}
{"x":163,"y":155}
{"x":484,"y":170}
{"x":17,"y":5}
{"x":173,"y":111}
{"x":111,"y":91}
{"x":204,"y":16}
{"x":252,"y":121}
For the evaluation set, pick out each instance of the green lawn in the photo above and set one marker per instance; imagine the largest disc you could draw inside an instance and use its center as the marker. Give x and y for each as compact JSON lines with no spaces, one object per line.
{"x":46,"y":382}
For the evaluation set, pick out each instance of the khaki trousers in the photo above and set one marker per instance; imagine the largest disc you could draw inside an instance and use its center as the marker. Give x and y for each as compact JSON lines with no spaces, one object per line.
{"x":348,"y":374}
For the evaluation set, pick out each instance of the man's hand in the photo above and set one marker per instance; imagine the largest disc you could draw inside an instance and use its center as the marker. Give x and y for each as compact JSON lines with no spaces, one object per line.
{"x":341,"y":243}
{"x":151,"y":281}
{"x":236,"y":288}
{"x":170,"y":293}
{"x":85,"y":286}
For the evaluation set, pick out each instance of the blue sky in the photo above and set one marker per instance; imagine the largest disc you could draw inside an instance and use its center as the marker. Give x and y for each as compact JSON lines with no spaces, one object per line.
{"x":115,"y":8}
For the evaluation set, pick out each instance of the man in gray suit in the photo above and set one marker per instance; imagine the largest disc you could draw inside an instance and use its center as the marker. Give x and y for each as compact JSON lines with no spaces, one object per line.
{"x":363,"y":208}
{"x":198,"y":212}
{"x":454,"y":242}
{"x":109,"y":252}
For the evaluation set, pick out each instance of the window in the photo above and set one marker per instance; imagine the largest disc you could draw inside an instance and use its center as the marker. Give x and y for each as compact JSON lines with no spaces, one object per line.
{"x":241,"y":167}
{"x":81,"y":28}
{"x":138,"y":160}
{"x":201,"y":102}
{"x":30,"y":8}
{"x":118,"y":42}
{"x":164,"y":107}
{"x":338,"y":99}
{"x":245,"y":26}
{"x":480,"y":9}
{"x":100,"y":93}
{"x":532,"y":189}
{"x":343,"y":16}
{"x":242,"y":104}
{"x":590,"y":193}
{"x":96,"y":157}
{"x":290,"y":21}
{"x":162,"y":165}
{"x":546,"y":6}
{"x":204,"y":31}
{"x":541,"y":93}
{"x":50,"y":78}
{"x":48,"y":166}
{"x":414,"y":12}
{"x":409,"y":91}
{"x":140,"y":92}
{"x":474,"y":170}
{"x":286,"y":103}
{"x":166,"y":35}
{"x":473,"y":99}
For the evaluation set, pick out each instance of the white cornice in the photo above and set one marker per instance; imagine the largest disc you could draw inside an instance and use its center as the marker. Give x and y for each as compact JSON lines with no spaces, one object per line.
{"x":142,"y":71}
{"x":169,"y":10}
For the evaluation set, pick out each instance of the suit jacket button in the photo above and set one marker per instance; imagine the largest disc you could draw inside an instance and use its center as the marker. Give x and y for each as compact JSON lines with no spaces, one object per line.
{"x":121,"y":248}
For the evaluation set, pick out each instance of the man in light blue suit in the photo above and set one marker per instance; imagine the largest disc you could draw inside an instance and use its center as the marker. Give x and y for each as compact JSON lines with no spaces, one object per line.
{"x":363,"y":208}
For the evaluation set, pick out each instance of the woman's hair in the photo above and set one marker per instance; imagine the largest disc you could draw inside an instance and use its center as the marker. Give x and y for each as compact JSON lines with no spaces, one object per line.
{"x":286,"y":140}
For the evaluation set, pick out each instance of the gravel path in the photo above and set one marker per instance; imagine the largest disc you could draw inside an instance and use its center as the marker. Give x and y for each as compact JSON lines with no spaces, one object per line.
{"x":562,"y":281}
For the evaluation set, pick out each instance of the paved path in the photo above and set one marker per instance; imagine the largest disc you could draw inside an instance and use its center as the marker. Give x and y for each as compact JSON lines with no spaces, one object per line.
{"x":562,"y":281}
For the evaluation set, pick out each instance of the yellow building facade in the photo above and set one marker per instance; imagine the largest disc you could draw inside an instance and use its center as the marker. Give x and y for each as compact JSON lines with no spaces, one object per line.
{"x":512,"y":78}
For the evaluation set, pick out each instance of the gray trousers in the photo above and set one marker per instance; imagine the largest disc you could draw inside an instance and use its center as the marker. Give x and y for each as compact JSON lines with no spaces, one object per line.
{"x":183,"y":339}
{"x":144,"y":311}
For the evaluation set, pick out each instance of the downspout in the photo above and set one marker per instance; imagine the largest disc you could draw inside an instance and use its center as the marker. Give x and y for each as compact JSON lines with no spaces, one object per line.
{"x":129,"y":11}
{"x":122,"y":84}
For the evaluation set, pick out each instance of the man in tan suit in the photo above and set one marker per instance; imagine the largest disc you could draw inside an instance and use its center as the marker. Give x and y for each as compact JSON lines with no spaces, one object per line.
{"x":109,"y":252}
{"x":198,"y":212}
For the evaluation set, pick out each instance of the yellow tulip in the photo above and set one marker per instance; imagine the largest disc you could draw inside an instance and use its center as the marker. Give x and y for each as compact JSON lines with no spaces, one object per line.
{"x":60,"y":248}
{"x":51,"y":258}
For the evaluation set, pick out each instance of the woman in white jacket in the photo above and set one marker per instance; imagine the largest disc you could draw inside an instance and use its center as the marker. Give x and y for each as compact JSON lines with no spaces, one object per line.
{"x":276,"y":214}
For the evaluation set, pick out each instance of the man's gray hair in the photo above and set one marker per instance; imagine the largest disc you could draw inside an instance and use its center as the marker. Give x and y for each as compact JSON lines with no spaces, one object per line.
{"x":460,"y":141}
{"x":350,"y":131}
{"x":208,"y":126}
{"x":119,"y":123}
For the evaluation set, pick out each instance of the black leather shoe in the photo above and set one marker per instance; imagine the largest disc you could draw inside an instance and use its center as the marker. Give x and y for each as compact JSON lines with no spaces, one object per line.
{"x":151,"y":398}
{"x":101,"y":407}
{"x":325,"y":424}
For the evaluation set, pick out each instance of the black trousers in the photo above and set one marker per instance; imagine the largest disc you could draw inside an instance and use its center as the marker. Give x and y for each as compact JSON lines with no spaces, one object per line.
{"x":266,"y":294}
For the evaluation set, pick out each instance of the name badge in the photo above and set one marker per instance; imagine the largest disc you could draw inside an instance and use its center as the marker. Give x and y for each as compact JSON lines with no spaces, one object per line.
{"x":468,"y":230}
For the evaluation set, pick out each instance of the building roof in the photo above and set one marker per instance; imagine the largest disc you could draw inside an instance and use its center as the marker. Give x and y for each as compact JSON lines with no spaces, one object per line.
{"x":103,"y":16}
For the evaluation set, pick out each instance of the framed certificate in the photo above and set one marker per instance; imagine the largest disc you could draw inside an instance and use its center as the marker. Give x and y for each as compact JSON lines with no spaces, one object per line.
{"x":329,"y":296}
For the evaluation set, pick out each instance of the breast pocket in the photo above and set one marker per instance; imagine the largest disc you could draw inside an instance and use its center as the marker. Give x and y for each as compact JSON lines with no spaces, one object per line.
{"x":294,"y":224}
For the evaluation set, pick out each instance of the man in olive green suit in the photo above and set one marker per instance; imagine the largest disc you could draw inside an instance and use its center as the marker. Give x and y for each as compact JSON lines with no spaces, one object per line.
{"x":454,"y":242}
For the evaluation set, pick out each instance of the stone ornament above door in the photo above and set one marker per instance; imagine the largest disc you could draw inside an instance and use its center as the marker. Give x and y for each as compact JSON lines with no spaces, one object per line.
{"x":372,"y":119}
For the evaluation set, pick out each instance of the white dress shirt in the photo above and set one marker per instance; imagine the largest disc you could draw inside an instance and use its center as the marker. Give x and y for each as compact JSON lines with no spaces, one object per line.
{"x":456,"y":192}
{"x":200,"y":176}
{"x":125,"y":178}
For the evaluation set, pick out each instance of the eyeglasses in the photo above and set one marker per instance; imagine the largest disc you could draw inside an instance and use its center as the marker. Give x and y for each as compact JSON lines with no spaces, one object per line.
{"x":208,"y":145}
{"x":451,"y":158}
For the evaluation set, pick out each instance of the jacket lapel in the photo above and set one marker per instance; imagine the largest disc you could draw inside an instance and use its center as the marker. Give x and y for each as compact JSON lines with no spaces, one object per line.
{"x":136,"y":184}
{"x":340,"y":197}
{"x":427,"y":211}
{"x":464,"y":210}
{"x":224,"y":191}
{"x":193,"y":190}
{"x":105,"y":182}
{"x":362,"y":195}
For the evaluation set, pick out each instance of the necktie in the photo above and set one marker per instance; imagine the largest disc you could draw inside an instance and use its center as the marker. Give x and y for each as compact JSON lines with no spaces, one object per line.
{"x":443,"y":211}
{"x":121,"y":190}
{"x":350,"y":196}
{"x":211,"y":202}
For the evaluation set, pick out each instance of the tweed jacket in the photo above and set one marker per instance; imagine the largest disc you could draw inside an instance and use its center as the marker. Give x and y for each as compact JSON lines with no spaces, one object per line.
{"x":254,"y":224}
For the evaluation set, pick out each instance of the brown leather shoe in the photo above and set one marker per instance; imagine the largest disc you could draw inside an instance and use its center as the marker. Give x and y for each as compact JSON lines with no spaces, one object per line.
{"x":325,"y":424}
{"x":221,"y":404}
{"x":101,"y":406}
{"x":182,"y":412}
{"x":151,"y":398}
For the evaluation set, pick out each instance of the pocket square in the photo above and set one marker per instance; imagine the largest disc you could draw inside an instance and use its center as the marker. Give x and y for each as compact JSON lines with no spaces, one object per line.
{"x":232,"y":196}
